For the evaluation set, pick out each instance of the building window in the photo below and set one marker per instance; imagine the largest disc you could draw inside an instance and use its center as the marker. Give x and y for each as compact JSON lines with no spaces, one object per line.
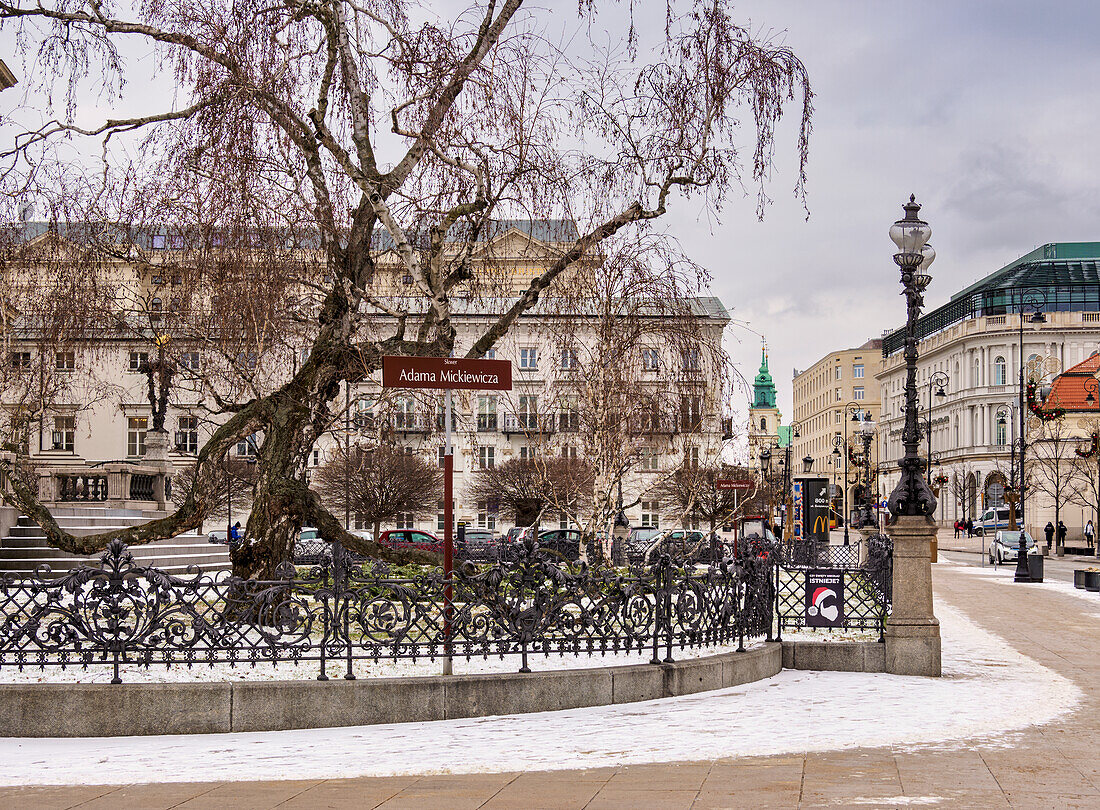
{"x":441,"y":517}
{"x":764,"y":425}
{"x":1002,"y":433}
{"x":569,"y":419}
{"x":1000,"y":376}
{"x":489,"y":354}
{"x":486,"y":413}
{"x":857,"y":371}
{"x":647,"y":456}
{"x":188,"y":439}
{"x":406,"y":520}
{"x":486,"y":458}
{"x":136,"y":428}
{"x":857,"y":392}
{"x":189,"y":361}
{"x":569,"y":452}
{"x":64,"y":433}
{"x":247,"y":445}
{"x":441,"y":456}
{"x":691,"y":413}
{"x":137,"y":360}
{"x":528,"y":413}
{"x":838,"y":372}
{"x":692,"y":457}
{"x":651,"y":360}
{"x":526,"y":454}
{"x":486,"y":515}
{"x":837,"y":393}
{"x":405,"y":417}
{"x":568,"y":358}
{"x":65,"y":361}
{"x":837,"y":418}
{"x":407,"y":278}
{"x":690,"y":359}
{"x":529,"y":358}
{"x":247,"y":361}
{"x":19,"y":360}
{"x":651,"y":518}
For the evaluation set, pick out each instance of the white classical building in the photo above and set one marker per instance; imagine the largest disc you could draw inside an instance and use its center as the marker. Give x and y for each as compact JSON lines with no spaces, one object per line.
{"x":100,"y":413}
{"x":975,"y":340}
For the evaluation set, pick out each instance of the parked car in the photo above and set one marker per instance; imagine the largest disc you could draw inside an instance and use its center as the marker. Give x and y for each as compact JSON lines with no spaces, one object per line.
{"x":363,"y":534}
{"x":309,"y":548}
{"x":481,"y":544}
{"x":992,"y":520}
{"x":565,"y":543}
{"x":218,"y":536}
{"x":1006,"y":546}
{"x":411,"y":538}
{"x":634,"y":545}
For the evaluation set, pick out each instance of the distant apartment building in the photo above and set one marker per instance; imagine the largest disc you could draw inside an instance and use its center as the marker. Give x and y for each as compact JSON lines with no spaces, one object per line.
{"x":95,"y":408}
{"x":826,"y":395}
{"x":975,"y":340}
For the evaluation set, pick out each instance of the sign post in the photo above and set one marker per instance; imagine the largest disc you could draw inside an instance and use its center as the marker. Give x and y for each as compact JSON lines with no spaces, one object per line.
{"x":447,"y":373}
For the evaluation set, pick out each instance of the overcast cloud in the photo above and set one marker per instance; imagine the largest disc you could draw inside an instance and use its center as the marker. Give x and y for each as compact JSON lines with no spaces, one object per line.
{"x":987,"y":111}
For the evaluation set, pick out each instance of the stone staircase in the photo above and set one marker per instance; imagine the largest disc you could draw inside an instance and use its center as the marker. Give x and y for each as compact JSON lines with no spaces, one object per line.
{"x":24,"y":549}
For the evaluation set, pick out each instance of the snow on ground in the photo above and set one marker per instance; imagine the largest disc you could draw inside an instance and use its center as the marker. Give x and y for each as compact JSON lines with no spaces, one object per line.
{"x":308,"y":670}
{"x":1004,"y":574}
{"x":792,"y":712}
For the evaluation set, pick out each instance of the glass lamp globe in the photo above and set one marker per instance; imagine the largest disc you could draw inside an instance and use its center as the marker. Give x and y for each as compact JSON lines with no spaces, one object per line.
{"x":928,"y":255}
{"x":910,"y":233}
{"x":868,"y":427}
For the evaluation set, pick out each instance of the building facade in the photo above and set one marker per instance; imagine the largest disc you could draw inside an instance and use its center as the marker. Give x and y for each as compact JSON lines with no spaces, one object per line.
{"x":975,"y":339}
{"x":827,"y":395}
{"x":95,"y":409}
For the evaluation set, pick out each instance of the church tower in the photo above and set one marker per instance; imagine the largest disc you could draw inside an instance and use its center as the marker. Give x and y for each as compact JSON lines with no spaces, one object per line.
{"x":764,"y":416}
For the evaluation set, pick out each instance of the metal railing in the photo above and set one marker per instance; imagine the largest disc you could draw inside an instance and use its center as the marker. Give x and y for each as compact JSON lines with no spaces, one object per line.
{"x":336,"y":613}
{"x":868,"y":584}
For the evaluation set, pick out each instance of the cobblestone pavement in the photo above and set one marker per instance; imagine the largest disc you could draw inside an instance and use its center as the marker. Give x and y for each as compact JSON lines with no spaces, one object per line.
{"x":1053,"y":766}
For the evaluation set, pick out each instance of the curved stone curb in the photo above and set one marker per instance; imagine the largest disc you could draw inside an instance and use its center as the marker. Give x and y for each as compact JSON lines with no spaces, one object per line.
{"x":106,"y":710}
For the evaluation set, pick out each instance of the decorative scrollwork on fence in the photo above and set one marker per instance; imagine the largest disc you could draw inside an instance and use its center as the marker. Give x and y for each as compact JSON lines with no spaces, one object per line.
{"x":119,"y":612}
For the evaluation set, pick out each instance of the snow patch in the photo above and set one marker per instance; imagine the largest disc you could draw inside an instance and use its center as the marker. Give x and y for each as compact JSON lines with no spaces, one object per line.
{"x":796,"y":711}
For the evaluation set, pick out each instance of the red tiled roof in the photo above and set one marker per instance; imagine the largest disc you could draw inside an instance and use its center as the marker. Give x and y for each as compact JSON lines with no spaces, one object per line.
{"x":1068,"y":390}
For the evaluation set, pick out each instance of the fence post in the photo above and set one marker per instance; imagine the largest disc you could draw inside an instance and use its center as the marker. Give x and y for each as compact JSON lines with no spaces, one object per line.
{"x":778,"y":611}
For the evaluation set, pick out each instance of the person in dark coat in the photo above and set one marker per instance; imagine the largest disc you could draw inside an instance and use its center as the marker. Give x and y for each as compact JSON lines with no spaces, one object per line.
{"x":1062,"y":532}
{"x":1049,"y":531}
{"x":956,"y":529}
{"x":969,"y":527}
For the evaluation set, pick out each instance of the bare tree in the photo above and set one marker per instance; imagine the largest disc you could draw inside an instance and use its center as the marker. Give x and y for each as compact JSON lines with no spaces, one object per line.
{"x":523,"y":490}
{"x":379,"y":485}
{"x":693,"y":491}
{"x":1055,"y":471}
{"x":318,"y":151}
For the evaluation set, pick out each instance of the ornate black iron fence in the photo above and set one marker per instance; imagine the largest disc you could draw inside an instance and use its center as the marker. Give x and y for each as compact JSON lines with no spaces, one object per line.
{"x":868,"y":582}
{"x":336,"y":615}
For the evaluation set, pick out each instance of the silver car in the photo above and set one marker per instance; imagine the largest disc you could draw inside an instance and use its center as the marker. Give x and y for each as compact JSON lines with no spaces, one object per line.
{"x":1006,"y":546}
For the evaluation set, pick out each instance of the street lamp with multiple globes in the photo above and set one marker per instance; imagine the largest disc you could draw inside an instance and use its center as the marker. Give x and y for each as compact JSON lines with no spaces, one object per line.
{"x":936,"y":380}
{"x":912,"y":496}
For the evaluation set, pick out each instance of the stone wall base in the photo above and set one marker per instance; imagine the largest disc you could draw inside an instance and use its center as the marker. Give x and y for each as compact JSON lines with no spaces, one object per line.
{"x":838,"y":656}
{"x":106,"y":710}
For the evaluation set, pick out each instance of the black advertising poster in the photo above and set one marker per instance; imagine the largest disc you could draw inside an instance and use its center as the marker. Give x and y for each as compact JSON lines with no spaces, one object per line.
{"x":824,"y":597}
{"x":815,"y":514}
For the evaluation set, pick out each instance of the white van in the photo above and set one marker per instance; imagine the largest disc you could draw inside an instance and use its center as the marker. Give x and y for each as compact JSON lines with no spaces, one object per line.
{"x":991,"y":520}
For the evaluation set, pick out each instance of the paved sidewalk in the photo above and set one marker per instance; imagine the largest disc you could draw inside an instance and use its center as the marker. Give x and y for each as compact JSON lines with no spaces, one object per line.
{"x":1046,"y":767}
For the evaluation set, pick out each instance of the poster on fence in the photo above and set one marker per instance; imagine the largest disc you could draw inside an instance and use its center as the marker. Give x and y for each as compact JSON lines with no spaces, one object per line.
{"x":824,"y":597}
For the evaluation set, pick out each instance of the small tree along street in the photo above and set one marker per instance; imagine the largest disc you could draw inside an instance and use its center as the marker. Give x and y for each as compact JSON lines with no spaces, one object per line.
{"x":314,"y":153}
{"x":379,"y":485}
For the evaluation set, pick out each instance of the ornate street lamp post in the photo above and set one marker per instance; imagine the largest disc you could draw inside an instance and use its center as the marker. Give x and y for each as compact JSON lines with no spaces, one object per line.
{"x":1035,"y":300}
{"x":912,"y":632}
{"x":936,"y":380}
{"x":912,"y":496}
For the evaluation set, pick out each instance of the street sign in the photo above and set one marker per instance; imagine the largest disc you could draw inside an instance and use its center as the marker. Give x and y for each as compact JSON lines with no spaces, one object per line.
{"x":824,"y":603}
{"x":446,"y":373}
{"x":733,"y":483}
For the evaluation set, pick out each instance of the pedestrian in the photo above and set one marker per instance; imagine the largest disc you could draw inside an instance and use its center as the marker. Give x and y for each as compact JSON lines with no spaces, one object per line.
{"x":236,"y":533}
{"x":1089,"y":533}
{"x":956,"y":529}
{"x":1062,"y":532}
{"x":969,"y":527}
{"x":1048,"y":530}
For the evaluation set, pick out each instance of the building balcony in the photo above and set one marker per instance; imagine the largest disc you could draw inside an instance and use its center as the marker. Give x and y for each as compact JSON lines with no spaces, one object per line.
{"x":528,"y":423}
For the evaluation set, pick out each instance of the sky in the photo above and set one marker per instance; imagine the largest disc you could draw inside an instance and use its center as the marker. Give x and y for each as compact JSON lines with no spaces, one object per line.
{"x":986,"y":110}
